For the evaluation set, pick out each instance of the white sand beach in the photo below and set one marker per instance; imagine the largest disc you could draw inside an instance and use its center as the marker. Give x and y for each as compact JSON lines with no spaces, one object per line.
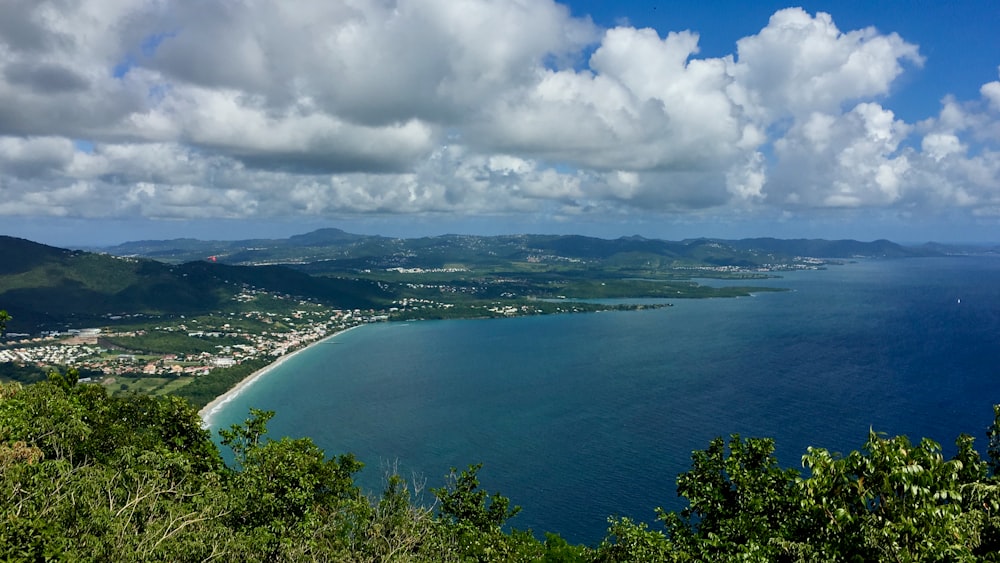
{"x":216,"y":404}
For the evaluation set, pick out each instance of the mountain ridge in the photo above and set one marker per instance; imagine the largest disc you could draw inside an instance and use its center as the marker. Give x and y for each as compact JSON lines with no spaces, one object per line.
{"x":334,"y":244}
{"x":45,"y":286}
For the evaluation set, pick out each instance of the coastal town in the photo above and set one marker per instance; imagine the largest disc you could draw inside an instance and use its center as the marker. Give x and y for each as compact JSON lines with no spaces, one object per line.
{"x":86,"y":348}
{"x":181,"y":347}
{"x":149,"y":354}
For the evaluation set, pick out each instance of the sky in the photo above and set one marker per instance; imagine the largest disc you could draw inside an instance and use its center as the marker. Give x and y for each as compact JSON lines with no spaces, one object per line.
{"x":228,"y":119}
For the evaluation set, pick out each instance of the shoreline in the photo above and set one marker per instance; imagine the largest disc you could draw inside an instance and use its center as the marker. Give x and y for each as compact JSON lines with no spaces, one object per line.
{"x":215,"y":405}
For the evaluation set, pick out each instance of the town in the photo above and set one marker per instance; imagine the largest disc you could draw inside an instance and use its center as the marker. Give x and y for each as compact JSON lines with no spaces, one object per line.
{"x":159,"y":355}
{"x":182,"y":348}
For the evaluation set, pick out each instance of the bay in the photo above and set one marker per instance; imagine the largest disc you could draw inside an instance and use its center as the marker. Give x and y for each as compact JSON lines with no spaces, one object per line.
{"x":580,"y":417}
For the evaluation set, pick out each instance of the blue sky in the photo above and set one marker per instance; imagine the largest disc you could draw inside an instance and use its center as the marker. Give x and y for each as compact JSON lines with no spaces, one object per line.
{"x":147,"y":119}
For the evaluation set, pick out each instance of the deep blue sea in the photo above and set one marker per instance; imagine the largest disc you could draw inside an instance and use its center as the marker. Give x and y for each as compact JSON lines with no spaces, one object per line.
{"x":580,"y":417}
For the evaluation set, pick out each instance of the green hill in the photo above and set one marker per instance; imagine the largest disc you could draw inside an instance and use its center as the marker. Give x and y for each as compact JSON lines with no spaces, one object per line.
{"x":331,"y":250}
{"x":46,"y":287}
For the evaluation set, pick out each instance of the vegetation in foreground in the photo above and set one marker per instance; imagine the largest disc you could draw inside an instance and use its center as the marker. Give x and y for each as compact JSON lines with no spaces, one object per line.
{"x":89,"y":476}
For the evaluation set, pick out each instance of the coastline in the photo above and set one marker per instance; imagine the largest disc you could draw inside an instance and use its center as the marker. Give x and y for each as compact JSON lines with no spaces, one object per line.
{"x":215,"y":405}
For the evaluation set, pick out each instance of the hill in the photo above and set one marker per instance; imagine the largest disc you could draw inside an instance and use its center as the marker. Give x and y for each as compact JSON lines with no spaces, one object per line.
{"x":48,"y":287}
{"x":43,"y":286}
{"x":330,"y":250}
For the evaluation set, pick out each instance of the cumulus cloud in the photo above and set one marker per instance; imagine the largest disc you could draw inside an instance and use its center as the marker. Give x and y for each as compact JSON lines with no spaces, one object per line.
{"x":991,"y":92}
{"x":369,"y":62}
{"x":263,"y":109}
{"x":34,"y":157}
{"x":297,"y":137}
{"x":56,"y":67}
{"x":849,"y":160}
{"x":641,"y":105}
{"x":959,"y":162}
{"x":800,"y":64}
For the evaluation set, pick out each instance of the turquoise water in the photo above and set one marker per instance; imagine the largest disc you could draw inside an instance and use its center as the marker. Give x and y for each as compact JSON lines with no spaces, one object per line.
{"x":580,"y":417}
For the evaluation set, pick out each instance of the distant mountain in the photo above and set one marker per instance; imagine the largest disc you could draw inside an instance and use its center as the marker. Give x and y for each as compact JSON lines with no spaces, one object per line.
{"x":325,"y":237}
{"x":820,"y":248}
{"x":46,"y":286}
{"x":329,"y":250}
{"x":298,"y":249}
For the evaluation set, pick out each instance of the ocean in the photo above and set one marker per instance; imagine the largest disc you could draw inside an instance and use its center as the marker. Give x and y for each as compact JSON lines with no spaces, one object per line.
{"x":580,"y":417}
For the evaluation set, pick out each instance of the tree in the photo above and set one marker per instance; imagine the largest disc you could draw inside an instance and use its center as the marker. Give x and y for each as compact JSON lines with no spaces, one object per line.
{"x":283,"y":487}
{"x":470,"y":522}
{"x":892,"y":501}
{"x":76,"y":484}
{"x":463,"y":501}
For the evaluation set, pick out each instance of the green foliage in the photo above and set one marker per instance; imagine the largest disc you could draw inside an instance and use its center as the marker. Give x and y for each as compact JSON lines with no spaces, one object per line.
{"x":889,"y":501}
{"x":558,"y":550}
{"x":472,"y":520}
{"x":242,"y":439}
{"x":737,"y":502}
{"x":171,"y":342}
{"x":630,"y":541}
{"x":993,"y":435}
{"x":283,"y":485}
{"x":79,"y":486}
{"x":85,"y":475}
{"x":11,"y":371}
{"x":463,"y":501}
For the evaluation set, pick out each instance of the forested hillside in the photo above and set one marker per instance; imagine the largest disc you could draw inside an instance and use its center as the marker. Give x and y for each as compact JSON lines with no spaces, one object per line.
{"x":43,"y":286}
{"x":333,"y":249}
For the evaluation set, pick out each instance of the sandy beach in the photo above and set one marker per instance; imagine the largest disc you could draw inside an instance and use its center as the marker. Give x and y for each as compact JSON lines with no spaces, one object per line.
{"x":217,"y":403}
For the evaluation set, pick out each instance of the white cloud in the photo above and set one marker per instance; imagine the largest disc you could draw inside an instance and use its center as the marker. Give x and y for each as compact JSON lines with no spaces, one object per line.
{"x":299,"y":136}
{"x":641,"y":105}
{"x":991,"y":92}
{"x":263,"y":109}
{"x":370,"y":62}
{"x":939,"y":145}
{"x":56,"y":66}
{"x":35,"y":156}
{"x":800,"y":64}
{"x":841,"y":161}
{"x":747,"y":182}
